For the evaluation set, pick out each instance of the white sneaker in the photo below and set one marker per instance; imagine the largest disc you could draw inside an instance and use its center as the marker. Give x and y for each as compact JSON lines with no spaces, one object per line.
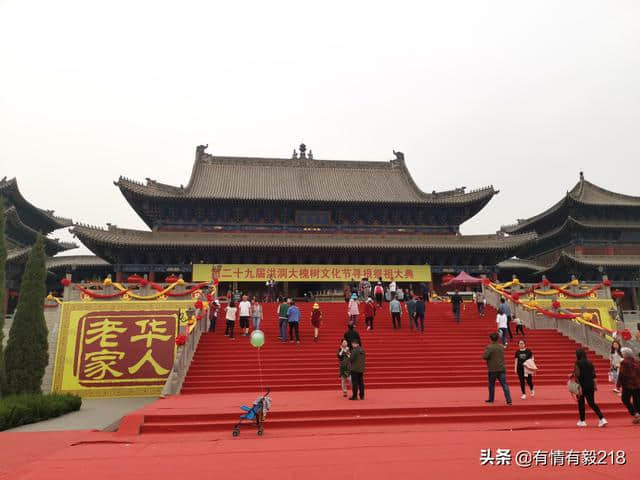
{"x":523,"y":397}
{"x":602,"y":422}
{"x":533,"y":393}
{"x":582,"y":424}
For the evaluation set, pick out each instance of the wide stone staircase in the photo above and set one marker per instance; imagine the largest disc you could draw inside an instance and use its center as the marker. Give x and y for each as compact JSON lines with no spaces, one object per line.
{"x":447,"y":356}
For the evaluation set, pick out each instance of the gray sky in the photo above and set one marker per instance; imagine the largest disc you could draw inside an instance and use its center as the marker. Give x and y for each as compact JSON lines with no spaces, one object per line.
{"x":521,"y":95}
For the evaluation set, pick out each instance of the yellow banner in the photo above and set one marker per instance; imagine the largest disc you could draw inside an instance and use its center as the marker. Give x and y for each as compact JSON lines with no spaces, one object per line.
{"x":309,"y":273}
{"x":598,"y":307}
{"x":116,"y":348}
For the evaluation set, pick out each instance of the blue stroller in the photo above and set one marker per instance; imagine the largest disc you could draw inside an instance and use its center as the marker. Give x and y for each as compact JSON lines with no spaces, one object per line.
{"x":257,"y":413}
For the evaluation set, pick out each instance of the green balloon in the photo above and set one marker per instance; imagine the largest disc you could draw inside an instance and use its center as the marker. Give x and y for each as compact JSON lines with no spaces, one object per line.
{"x":257,"y":338}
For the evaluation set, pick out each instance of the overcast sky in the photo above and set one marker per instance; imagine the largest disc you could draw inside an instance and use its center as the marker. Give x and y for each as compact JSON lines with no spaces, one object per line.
{"x":521,"y":95}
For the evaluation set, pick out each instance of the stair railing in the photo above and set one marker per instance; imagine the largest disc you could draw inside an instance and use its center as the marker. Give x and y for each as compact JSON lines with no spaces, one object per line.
{"x":184,"y":355}
{"x":576,"y":331}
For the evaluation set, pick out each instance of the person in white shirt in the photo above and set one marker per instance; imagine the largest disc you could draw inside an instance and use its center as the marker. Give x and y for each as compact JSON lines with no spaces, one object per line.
{"x":392,"y":289}
{"x":230,"y":316}
{"x":244,"y":308}
{"x":501,"y":320}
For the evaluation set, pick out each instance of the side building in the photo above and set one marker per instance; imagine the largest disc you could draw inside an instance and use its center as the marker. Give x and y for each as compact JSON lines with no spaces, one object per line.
{"x":300,"y":211}
{"x":23,"y":223}
{"x":590,"y":232}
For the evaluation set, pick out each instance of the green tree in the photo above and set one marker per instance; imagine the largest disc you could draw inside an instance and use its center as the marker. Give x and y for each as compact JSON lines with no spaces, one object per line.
{"x":3,"y":262}
{"x":26,"y":355}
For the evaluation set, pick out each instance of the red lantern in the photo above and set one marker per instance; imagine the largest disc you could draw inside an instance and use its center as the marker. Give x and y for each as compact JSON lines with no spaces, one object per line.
{"x":135,"y":278}
{"x":198,"y":304}
{"x":625,"y":334}
{"x":606,"y":283}
{"x":447,"y":278}
{"x":209,"y":297}
{"x":486,"y":282}
{"x":144,"y":282}
{"x":545,"y":282}
{"x":181,"y":339}
{"x":617,"y":294}
{"x":171,"y":279}
{"x":65,"y":282}
{"x":555,"y":304}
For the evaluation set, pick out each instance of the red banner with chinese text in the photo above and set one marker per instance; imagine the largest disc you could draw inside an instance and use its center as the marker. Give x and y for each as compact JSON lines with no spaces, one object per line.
{"x":309,"y":273}
{"x":116,"y":349}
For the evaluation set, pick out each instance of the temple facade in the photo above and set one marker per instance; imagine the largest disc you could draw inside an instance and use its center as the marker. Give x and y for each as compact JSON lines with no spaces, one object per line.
{"x":299,"y":210}
{"x":590,"y":232}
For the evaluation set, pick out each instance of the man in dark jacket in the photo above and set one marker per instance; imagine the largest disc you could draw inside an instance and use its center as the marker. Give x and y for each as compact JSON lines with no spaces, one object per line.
{"x":357,"y":370}
{"x":421,"y":309}
{"x":350,"y":335}
{"x":456,"y":302}
{"x":494,"y":356}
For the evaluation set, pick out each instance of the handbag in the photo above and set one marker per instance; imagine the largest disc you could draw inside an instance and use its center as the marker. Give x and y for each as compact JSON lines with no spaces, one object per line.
{"x":574,"y":387}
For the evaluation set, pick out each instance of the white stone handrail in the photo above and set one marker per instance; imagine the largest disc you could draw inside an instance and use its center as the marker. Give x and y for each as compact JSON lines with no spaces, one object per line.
{"x":184,"y":356}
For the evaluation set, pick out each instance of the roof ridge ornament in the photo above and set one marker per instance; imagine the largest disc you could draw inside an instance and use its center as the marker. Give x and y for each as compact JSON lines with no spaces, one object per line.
{"x":200,"y":150}
{"x":399,"y":156}
{"x":303,"y":151}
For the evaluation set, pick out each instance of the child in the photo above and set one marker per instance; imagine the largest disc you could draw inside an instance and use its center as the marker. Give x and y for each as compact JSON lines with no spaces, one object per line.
{"x":519,"y":326}
{"x":316,"y":319}
{"x":345,"y":366}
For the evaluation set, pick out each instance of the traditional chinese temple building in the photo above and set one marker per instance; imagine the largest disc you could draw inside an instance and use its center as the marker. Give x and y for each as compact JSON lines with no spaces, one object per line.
{"x":23,"y":223}
{"x":590,"y":232}
{"x":299,"y":210}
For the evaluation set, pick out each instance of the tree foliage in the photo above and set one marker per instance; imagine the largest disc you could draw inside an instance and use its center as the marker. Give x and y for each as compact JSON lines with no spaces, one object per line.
{"x":26,"y":355}
{"x":3,"y":285}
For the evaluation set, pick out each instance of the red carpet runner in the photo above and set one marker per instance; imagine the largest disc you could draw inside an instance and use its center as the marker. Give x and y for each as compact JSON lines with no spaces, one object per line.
{"x":448,"y":356}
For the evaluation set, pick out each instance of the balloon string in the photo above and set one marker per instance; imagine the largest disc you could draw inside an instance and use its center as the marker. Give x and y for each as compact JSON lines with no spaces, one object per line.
{"x":260,"y":370}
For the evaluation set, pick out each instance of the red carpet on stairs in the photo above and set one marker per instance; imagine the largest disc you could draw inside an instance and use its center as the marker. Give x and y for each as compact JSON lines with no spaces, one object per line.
{"x":402,"y":366}
{"x":447,"y":355}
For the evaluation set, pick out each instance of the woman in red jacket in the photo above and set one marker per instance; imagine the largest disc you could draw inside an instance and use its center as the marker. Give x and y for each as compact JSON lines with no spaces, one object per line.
{"x":369,"y":313}
{"x":316,"y":320}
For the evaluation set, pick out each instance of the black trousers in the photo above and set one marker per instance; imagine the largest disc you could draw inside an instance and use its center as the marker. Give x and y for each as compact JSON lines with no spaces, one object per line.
{"x":229,"y":329}
{"x":212,"y":323}
{"x":522,"y":378}
{"x":509,"y":327}
{"x":294,"y":326}
{"x":395,"y":317}
{"x":369,"y":322}
{"x":418,"y":319}
{"x":520,"y":328}
{"x":631,"y":400}
{"x":357,"y":384}
{"x":589,"y":397}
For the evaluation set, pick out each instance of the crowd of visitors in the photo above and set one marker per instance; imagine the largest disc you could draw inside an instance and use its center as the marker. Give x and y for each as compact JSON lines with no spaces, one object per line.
{"x":367,"y":300}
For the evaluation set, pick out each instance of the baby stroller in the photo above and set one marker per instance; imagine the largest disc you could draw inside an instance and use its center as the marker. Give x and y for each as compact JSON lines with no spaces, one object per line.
{"x":258,"y":413}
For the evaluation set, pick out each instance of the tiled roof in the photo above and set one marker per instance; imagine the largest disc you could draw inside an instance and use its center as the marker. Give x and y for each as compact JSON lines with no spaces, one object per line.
{"x":138,"y":238}
{"x":584,"y":192}
{"x":38,"y":219}
{"x":76,"y":261}
{"x":605,"y":224}
{"x":16,"y":254}
{"x":519,"y":264}
{"x":624,"y":261}
{"x":15,"y":227}
{"x":248,"y":178}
